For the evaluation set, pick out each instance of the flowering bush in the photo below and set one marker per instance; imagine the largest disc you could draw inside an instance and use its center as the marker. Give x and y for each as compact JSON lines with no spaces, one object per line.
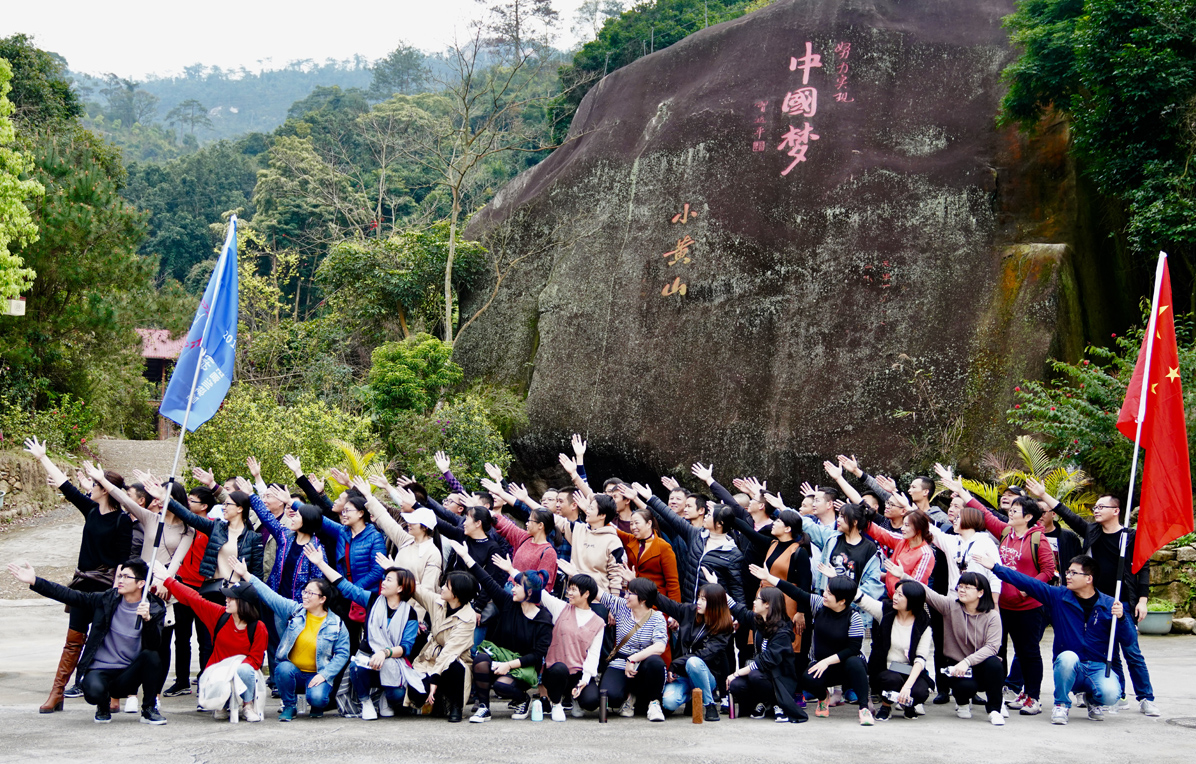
{"x":66,"y":425}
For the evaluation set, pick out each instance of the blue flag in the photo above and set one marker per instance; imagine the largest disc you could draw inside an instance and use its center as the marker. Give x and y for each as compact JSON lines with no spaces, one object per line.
{"x":205,"y":364}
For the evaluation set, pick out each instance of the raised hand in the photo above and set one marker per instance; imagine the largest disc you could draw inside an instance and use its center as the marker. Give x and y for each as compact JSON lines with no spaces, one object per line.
{"x":492,"y":486}
{"x":807,"y":489}
{"x":317,"y":483}
{"x":443,"y":463}
{"x":22,"y":571}
{"x":984,"y":559}
{"x":243,"y":485}
{"x":92,"y":471}
{"x":36,"y":448}
{"x":1035,"y":488}
{"x":710,"y":577}
{"x":380,"y":481}
{"x":314,"y":555}
{"x":644,"y":491}
{"x":255,"y":468}
{"x":239,"y":567}
{"x":503,"y":562}
{"x":406,"y":498}
{"x":669,"y":483}
{"x":152,"y":486}
{"x":520,"y":493}
{"x":705,"y":473}
{"x":292,"y":463}
{"x":494,"y":472}
{"x":827,"y":570}
{"x":893,"y":569}
{"x":566,"y":567}
{"x":383,"y":561}
{"x":758,"y":572}
{"x":279,"y":494}
{"x":402,"y":481}
{"x":839,"y":504}
{"x":85,"y":481}
{"x":340,"y":476}
{"x":834,"y":470}
{"x":361,"y":484}
{"x":775,"y":500}
{"x":851,"y":464}
{"x":205,"y":477}
{"x":627,"y":492}
{"x":579,"y":448}
{"x":568,"y":464}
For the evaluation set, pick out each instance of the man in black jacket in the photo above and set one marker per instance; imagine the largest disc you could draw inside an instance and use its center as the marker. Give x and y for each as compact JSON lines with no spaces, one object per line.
{"x":121,"y":653}
{"x":1101,"y":540}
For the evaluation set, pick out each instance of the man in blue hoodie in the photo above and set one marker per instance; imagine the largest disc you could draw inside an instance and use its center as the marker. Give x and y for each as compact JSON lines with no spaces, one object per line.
{"x":1081,"y":617}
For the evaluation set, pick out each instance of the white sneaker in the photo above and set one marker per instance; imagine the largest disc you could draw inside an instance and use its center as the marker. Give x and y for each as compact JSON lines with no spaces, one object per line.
{"x":1149,"y":708}
{"x":577,"y":711}
{"x":1031,"y":708}
{"x":1059,"y":715}
{"x":1004,"y":712}
{"x":965,"y":711}
{"x":368,"y":712}
{"x":920,"y":710}
{"x":628,"y":709}
{"x":655,"y":712}
{"x":481,"y":716}
{"x":131,"y":706}
{"x":384,"y":709}
{"x":996,"y":719}
{"x":250,"y":714}
{"x":558,"y":712}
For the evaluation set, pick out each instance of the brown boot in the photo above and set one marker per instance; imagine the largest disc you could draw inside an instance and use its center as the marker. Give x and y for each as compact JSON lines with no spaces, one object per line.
{"x":66,"y":667}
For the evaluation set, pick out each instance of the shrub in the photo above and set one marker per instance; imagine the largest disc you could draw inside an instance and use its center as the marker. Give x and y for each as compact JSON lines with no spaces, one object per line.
{"x":462,"y":429}
{"x":253,"y":423}
{"x":65,"y":426}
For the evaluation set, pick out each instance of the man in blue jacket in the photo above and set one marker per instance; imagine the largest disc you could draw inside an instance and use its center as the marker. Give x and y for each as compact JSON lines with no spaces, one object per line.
{"x":1081,"y":617}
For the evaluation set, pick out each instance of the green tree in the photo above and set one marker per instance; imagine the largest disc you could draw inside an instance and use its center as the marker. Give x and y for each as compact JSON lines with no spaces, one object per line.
{"x":374,"y":284}
{"x":41,"y":90}
{"x":128,"y":101}
{"x":412,"y":375}
{"x":402,"y":71}
{"x":16,"y":225}
{"x":1124,"y":72}
{"x":191,"y":113}
{"x":462,"y":428}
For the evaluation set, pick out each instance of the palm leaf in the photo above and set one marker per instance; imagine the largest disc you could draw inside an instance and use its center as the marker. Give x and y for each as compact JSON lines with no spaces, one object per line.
{"x":1034,"y":454}
{"x":987,"y":491}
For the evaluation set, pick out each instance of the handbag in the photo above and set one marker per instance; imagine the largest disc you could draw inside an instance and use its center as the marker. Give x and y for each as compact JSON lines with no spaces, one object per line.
{"x":615,"y":652}
{"x":526,"y":674}
{"x":91,"y":580}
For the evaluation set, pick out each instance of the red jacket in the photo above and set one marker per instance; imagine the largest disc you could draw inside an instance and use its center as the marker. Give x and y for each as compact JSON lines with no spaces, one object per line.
{"x":230,"y":641}
{"x":1017,"y":553}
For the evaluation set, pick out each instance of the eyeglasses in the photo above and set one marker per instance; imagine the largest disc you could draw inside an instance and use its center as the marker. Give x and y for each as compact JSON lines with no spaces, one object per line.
{"x":306,"y":593}
{"x":1070,"y":573}
{"x":126,"y":577}
{"x":966,"y":588}
{"x":1105,"y":506}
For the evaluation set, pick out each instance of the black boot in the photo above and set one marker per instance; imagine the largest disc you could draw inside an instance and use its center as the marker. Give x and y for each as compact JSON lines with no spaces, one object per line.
{"x":711,"y":714}
{"x":454,"y":712}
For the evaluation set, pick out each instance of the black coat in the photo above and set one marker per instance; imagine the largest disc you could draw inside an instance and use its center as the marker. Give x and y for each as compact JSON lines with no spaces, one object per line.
{"x":692,"y":641}
{"x":726,"y":563}
{"x":249,"y":543}
{"x":103,"y":606}
{"x":777,"y":660}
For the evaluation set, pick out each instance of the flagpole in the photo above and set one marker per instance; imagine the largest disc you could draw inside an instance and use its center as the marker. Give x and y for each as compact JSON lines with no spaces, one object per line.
{"x":174,"y":467}
{"x":1129,"y":500}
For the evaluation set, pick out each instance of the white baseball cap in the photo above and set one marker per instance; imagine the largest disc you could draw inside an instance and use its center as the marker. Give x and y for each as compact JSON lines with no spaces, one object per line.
{"x":421,"y":516}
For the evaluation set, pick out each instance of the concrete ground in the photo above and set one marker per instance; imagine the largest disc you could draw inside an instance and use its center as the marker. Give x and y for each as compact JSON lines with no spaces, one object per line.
{"x":32,"y":630}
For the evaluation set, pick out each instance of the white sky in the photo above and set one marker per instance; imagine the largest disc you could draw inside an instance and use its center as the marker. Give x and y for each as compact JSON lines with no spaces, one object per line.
{"x":134,"y":38}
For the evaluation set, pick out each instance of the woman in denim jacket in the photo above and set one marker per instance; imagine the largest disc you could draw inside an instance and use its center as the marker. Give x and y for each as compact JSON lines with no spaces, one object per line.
{"x":313,"y":648}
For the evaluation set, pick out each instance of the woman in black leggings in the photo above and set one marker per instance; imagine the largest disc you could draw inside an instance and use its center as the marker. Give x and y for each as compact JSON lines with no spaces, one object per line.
{"x":771,"y":678}
{"x":838,"y":641}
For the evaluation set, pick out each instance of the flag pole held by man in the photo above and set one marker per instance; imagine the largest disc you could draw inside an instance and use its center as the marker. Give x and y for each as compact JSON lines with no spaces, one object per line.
{"x":1153,"y":417}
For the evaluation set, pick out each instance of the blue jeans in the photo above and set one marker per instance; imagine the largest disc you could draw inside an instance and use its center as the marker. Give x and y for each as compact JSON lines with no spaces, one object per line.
{"x":1074,"y":675}
{"x":365,"y":679}
{"x":1139,"y":675}
{"x":291,"y":680}
{"x":697,"y":676}
{"x":249,"y":677}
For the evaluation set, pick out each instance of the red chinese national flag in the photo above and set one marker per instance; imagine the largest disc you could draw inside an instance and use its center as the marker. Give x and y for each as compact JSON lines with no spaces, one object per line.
{"x":1166,"y":501}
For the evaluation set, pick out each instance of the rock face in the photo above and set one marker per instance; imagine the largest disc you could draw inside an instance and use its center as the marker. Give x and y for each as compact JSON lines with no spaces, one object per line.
{"x":788,"y":236}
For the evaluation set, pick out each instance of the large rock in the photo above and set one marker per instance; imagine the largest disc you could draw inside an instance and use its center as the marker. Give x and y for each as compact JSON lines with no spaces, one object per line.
{"x":704,"y":278}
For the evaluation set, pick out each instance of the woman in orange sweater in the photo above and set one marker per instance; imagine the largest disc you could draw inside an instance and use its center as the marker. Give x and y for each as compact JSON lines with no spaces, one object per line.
{"x":649,"y":555}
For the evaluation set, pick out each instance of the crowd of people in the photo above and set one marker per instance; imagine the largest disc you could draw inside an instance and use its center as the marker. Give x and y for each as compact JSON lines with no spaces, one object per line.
{"x":382,"y":600}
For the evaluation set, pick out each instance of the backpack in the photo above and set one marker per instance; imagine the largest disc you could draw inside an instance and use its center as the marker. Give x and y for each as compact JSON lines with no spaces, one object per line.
{"x":250,"y":628}
{"x":1035,"y":540}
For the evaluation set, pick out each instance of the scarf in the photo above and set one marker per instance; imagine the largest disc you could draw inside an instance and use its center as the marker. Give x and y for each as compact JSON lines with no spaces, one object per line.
{"x":383,"y":633}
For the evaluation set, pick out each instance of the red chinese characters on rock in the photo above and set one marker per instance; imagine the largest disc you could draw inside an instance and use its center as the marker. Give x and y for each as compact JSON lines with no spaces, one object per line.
{"x":842,"y":67}
{"x":800,"y":102}
{"x":758,"y":121}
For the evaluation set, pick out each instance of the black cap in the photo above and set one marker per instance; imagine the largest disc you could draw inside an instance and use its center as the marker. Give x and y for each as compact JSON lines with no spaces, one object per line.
{"x":237,"y":591}
{"x":1017,"y":489}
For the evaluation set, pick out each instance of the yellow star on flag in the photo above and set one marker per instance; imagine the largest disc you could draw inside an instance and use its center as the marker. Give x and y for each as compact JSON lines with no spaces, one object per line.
{"x":1173,"y":374}
{"x":1153,"y":388}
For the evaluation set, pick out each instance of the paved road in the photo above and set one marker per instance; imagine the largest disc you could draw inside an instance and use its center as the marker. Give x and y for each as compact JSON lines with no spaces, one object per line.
{"x":31,"y":632}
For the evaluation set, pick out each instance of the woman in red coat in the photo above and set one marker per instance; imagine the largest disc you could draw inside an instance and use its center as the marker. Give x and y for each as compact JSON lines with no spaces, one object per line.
{"x":650,"y":556}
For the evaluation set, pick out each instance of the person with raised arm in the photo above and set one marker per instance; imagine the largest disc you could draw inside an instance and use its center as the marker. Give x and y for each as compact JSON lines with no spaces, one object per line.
{"x":785,"y":556}
{"x":445,"y":660}
{"x":837,"y":643}
{"x":704,"y":631}
{"x":517,"y":640}
{"x":912,"y":548}
{"x":572,"y":660}
{"x":848,"y":549}
{"x":635,"y":671}
{"x":772,"y":677}
{"x":176,"y":542}
{"x":239,"y":637}
{"x":920,"y":491}
{"x":530,"y":548}
{"x":597,"y":550}
{"x":298,"y":528}
{"x":707,"y":545}
{"x":313,"y":646}
{"x":383,"y":656}
{"x":899,"y":665}
{"x":1022,"y":547}
{"x":121,"y":654}
{"x":649,"y":555}
{"x":1101,"y":540}
{"x":417,"y":547}
{"x":105,"y":544}
{"x":1082,"y":619}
